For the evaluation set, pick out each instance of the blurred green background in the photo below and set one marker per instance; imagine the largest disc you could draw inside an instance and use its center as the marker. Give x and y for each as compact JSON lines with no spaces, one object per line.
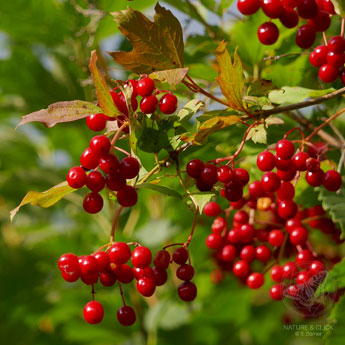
{"x":44,"y":50}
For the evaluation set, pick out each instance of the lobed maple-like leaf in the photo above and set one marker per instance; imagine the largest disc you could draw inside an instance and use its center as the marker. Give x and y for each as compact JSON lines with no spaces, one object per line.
{"x":156,"y":45}
{"x":61,"y":112}
{"x":230,"y":78}
{"x":172,"y":76}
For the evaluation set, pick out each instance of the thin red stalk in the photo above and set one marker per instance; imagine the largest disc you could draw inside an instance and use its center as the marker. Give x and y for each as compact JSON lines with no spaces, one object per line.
{"x":113,"y":226}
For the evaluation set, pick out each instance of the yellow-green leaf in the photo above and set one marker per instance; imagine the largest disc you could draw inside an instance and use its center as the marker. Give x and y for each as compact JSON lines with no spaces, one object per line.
{"x":230,"y":78}
{"x":44,"y":199}
{"x":156,"y":45}
{"x":210,"y":126}
{"x":339,"y":7}
{"x":171,"y":76}
{"x":258,"y":134}
{"x":61,"y":112}
{"x":102,"y":91}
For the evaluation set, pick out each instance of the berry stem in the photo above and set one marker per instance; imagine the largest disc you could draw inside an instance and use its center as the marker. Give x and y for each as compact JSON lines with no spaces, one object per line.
{"x":324,"y":38}
{"x":118,"y":133}
{"x":186,"y":244}
{"x":342,"y":27}
{"x":173,"y":245}
{"x":93,"y":292}
{"x":294,"y":129}
{"x":121,"y":293}
{"x":101,"y":248}
{"x":113,"y":226}
{"x":121,"y":150}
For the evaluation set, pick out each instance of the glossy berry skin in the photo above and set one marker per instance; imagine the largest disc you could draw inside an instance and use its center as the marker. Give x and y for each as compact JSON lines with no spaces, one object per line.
{"x":209,"y":174}
{"x":93,"y":312}
{"x":76,"y":177}
{"x":141,"y":257}
{"x":160,"y":276}
{"x":316,"y":267}
{"x":328,"y":6}
{"x":194,"y":168}
{"x":212,"y":209}
{"x":103,"y":261}
{"x":129,"y":167}
{"x":263,"y":253}
{"x":146,"y":286}
{"x":248,"y":7}
{"x":312,"y":164}
{"x":119,"y":253}
{"x":287,"y":175}
{"x":69,"y":267}
{"x":266,"y":161}
{"x":115,"y":181}
{"x":277,"y":292}
{"x":218,"y":225}
{"x":247,"y":232}
{"x":127,"y":196}
{"x":126,"y":316}
{"x":285,"y":149}
{"x":241,"y":217}
{"x":241,"y":269}
{"x":276,"y":238}
{"x":234,"y":236}
{"x":328,"y":73}
{"x":97,"y":122}
{"x":287,"y":209}
{"x":185,"y":272}
{"x":93,"y":202}
{"x":162,"y":259}
{"x":88,"y":264}
{"x":214,"y":241}
{"x":255,"y":280}
{"x":148,"y":104}
{"x":286,"y":191}
{"x":145,"y":87}
{"x":248,"y":253}
{"x":283,"y":164}
{"x":124,"y":273}
{"x":168,"y":104}
{"x":290,"y":270}
{"x":314,"y":179}
{"x":109,"y":163}
{"x":95,"y":181}
{"x":277,"y":273}
{"x":100,"y":144}
{"x":307,"y":9}
{"x":240,"y":177}
{"x":298,"y":236}
{"x":300,"y":160}
{"x":303,"y":277}
{"x":187,"y":291}
{"x":336,"y":44}
{"x":107,"y":278}
{"x":337,"y":60}
{"x":289,"y":17}
{"x":268,"y":33}
{"x":332,"y":180}
{"x":180,"y":255}
{"x":321,"y":22}
{"x":304,"y":258}
{"x":305,"y":36}
{"x":228,"y":253}
{"x":318,"y":57}
{"x":255,"y":190}
{"x":89,"y":159}
{"x":272,"y":8}
{"x":270,"y":182}
{"x":224,"y":174}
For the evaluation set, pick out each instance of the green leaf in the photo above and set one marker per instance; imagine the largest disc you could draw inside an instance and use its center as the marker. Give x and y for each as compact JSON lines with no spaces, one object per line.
{"x":339,"y":7}
{"x":202,"y":199}
{"x":258,"y":134}
{"x":102,"y":91}
{"x":230,"y":79}
{"x":260,"y":87}
{"x":160,"y":189}
{"x":335,"y":332}
{"x":210,"y":126}
{"x":172,"y":76}
{"x":44,"y":199}
{"x":61,"y":112}
{"x":189,"y":110}
{"x":334,"y":204}
{"x":290,"y":95}
{"x":157,"y":45}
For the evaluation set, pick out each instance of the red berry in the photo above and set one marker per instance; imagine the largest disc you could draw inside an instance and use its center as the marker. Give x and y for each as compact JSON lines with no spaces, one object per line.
{"x":288,"y":17}
{"x":240,"y":177}
{"x":212,"y":209}
{"x":255,"y":280}
{"x":146,"y":286}
{"x":300,"y":161}
{"x":321,"y":22}
{"x":90,"y":278}
{"x":185,"y":272}
{"x":93,"y":202}
{"x":248,"y":7}
{"x":263,"y":253}
{"x":328,"y":6}
{"x":76,"y":177}
{"x":209,"y":174}
{"x":218,"y":225}
{"x":285,"y":149}
{"x":107,"y":278}
{"x":276,"y":238}
{"x":287,"y":175}
{"x":248,"y":253}
{"x":126,"y":316}
{"x":298,"y":236}
{"x":69,"y":266}
{"x":270,"y":182}
{"x":293,"y":291}
{"x":127,"y":196}
{"x":194,"y":168}
{"x":115,"y":181}
{"x":247,"y":232}
{"x":302,"y":277}
{"x":168,"y":104}
{"x":265,"y":161}
{"x":129,"y":167}
{"x":224,"y":174}
{"x":307,"y":9}
{"x":88,"y":265}
{"x":95,"y":181}
{"x":124,"y":273}
{"x":318,"y":56}
{"x":286,"y":191}
{"x":233,"y":192}
{"x":162,"y":259}
{"x":305,"y":36}
{"x":241,"y":269}
{"x":180,"y":255}
{"x":93,"y":312}
{"x":287,"y":209}
{"x":336,"y":44}
{"x":312,"y":164}
{"x":277,"y":273}
{"x":283,"y":164}
{"x":187,"y":291}
{"x":328,"y":73}
{"x":332,"y":180}
{"x":119,"y":253}
{"x":337,"y":60}
{"x":109,"y":163}
{"x":268,"y":33}
{"x":89,"y":159}
{"x":160,"y":276}
{"x":277,"y":292}
{"x":255,"y":190}
{"x":316,"y":267}
{"x":229,"y":253}
{"x":290,"y":270}
{"x":143,"y":272}
{"x":97,"y":122}
{"x":314,"y":179}
{"x":214,"y":241}
{"x":100,"y":144}
{"x":148,"y":104}
{"x":234,"y":236}
{"x":241,"y":217}
{"x":145,"y":87}
{"x":134,"y":84}
{"x":141,"y":257}
{"x":292,"y":224}
{"x":272,"y":8}
{"x":102,"y":259}
{"x":304,"y":258}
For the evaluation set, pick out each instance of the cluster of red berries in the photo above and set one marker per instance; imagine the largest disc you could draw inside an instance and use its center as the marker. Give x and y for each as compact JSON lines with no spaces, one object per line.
{"x":98,"y":156}
{"x":317,"y":12}
{"x":149,"y":102}
{"x":112,"y":266}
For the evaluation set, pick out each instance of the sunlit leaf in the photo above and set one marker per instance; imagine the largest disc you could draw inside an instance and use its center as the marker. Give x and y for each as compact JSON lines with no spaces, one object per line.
{"x":339,"y":7}
{"x":258,"y":134}
{"x":189,"y":110}
{"x":172,"y":76}
{"x":202,"y":199}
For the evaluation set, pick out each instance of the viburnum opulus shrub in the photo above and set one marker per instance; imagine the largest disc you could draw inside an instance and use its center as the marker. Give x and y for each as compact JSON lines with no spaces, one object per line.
{"x":260,"y":229}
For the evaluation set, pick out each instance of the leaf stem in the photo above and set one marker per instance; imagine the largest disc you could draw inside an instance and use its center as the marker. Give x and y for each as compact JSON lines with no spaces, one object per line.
{"x":114,"y":224}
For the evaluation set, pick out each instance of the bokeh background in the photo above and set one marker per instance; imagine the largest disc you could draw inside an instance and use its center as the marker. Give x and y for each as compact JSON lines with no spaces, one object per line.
{"x":44,"y":50}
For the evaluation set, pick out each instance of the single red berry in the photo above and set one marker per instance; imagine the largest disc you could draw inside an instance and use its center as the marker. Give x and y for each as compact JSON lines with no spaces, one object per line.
{"x":263,"y":253}
{"x":292,"y":224}
{"x":318,"y":56}
{"x":305,"y":36}
{"x":268,"y":33}
{"x":194,"y":168}
{"x":270,"y":182}
{"x":277,"y":292}
{"x":187,"y":291}
{"x":214,"y":241}
{"x":119,"y":253}
{"x":283,"y":164}
{"x":255,"y":190}
{"x":303,"y":277}
{"x":209,"y":174}
{"x":160,"y":276}
{"x":145,"y":87}
{"x":126,"y":316}
{"x":124,"y":273}
{"x":100,"y":144}
{"x":89,"y":159}
{"x":316,"y":267}
{"x":185,"y":272}
{"x":328,"y":6}
{"x":277,"y":273}
{"x":337,"y":60}
{"x":103,"y":261}
{"x":285,"y":149}
{"x":298,"y":236}
{"x":228,"y":253}
{"x":69,"y":266}
{"x":107,"y":278}
{"x":146,"y":286}
{"x":224,"y":174}
{"x":109,"y":163}
{"x":312,"y":164}
{"x":287,"y":175}
{"x":328,"y":73}
{"x":290,"y":270}
{"x":307,"y":9}
{"x":95,"y":181}
{"x":76,"y":177}
{"x":148,"y":105}
{"x":212,"y":209}
{"x":90,"y":278}
{"x":255,"y":280}
{"x":162,"y":259}
{"x":88,"y":265}
{"x":129,"y":167}
{"x":266,"y":161}
{"x":247,"y":232}
{"x":293,"y":291}
{"x":93,"y":202}
{"x":248,"y":7}
{"x":180,"y":255}
{"x":241,"y":217}
{"x":168,"y":104}
{"x":272,"y":8}
{"x":237,"y":205}
{"x":314,"y":179}
{"x":304,"y":258}
{"x":287,"y":209}
{"x":141,"y":257}
{"x":240,"y":177}
{"x":241,"y":269}
{"x":276,"y":238}
{"x":336,"y":44}
{"x":143,"y":272}
{"x":332,"y":180}
{"x":93,"y":312}
{"x":115,"y":181}
{"x":248,"y":253}
{"x":233,"y":192}
{"x":234,"y":236}
{"x":97,"y":122}
{"x":218,"y":225}
{"x":288,"y":17}
{"x":127,"y":196}
{"x":286,"y":191}
{"x":300,"y":161}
